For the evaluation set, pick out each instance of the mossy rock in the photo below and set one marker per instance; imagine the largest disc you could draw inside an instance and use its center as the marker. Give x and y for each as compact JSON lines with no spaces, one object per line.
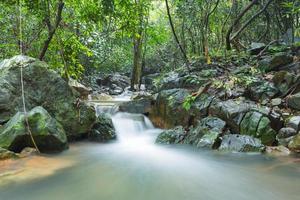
{"x":43,"y":87}
{"x":47,"y":132}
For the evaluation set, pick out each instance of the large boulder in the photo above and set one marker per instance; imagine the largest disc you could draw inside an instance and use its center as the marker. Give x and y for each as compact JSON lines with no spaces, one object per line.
{"x":168,"y":111}
{"x":103,"y":130}
{"x":259,"y":126}
{"x":240,"y":143}
{"x":48,"y":133}
{"x":231,"y":111}
{"x":43,"y":87}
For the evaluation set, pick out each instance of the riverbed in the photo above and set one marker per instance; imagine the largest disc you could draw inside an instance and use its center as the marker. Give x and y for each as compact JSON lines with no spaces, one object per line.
{"x":135,"y":168}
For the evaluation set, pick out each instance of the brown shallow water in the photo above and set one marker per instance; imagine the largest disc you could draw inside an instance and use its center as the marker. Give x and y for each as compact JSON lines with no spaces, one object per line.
{"x":134,"y":168}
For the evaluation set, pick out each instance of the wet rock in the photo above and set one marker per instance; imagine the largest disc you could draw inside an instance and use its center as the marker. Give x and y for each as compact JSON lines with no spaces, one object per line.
{"x":277,"y":151}
{"x":168,"y":110}
{"x":294,"y":101}
{"x":172,"y":136}
{"x":200,"y":107}
{"x":256,"y":125}
{"x":103,"y":130}
{"x":265,"y":133}
{"x":83,"y":91}
{"x":6,"y":154}
{"x":294,"y":122}
{"x":48,"y":133}
{"x":285,"y":135}
{"x":275,"y":116}
{"x":231,"y":111}
{"x":295,"y":143}
{"x":240,"y":143}
{"x":250,"y":123}
{"x":43,"y":87}
{"x":273,"y":63}
{"x":206,"y":134}
{"x":142,"y":105}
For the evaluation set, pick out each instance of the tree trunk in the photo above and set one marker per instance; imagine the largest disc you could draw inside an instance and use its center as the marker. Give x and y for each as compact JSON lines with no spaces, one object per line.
{"x":137,"y":63}
{"x":236,"y":21}
{"x":52,"y":29}
{"x":175,"y":35}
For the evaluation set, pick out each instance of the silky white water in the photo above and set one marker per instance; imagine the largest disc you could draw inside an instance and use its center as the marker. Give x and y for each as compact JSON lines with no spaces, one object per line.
{"x":135,"y":168}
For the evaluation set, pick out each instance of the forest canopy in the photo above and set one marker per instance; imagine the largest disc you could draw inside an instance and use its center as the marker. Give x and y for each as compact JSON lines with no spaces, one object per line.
{"x":75,"y":36}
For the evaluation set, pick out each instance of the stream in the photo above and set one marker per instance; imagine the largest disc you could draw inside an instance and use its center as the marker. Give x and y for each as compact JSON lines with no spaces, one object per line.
{"x":135,"y":168}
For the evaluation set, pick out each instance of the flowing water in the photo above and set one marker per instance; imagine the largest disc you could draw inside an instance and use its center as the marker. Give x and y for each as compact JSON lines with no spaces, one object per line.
{"x":135,"y":168}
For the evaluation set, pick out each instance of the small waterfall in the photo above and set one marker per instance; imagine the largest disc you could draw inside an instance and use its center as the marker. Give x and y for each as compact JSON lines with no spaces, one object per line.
{"x":134,"y":129}
{"x":103,"y":108}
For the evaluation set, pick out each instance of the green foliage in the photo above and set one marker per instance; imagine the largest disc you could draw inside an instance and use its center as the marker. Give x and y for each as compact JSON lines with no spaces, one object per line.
{"x":188,"y":102}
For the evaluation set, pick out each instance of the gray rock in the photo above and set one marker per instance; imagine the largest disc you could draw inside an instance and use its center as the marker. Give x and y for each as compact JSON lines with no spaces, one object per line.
{"x":139,"y":106}
{"x":116,"y":79}
{"x":168,"y":111}
{"x":231,"y":111}
{"x":285,"y":135}
{"x":83,"y":91}
{"x":48,"y":134}
{"x":43,"y":87}
{"x":283,"y":80}
{"x":273,"y":63}
{"x":240,"y":143}
{"x":206,"y":133}
{"x":276,"y":102}
{"x":294,"y":101}
{"x":261,"y":90}
{"x":295,"y":143}
{"x":103,"y":130}
{"x":172,"y":136}
{"x":294,"y":122}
